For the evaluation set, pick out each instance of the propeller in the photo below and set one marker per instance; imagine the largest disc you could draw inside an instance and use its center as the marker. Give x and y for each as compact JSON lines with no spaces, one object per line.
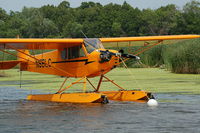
{"x":128,"y":55}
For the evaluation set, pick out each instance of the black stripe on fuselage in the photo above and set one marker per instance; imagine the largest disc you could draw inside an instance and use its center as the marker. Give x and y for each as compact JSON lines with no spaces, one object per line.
{"x":83,"y":60}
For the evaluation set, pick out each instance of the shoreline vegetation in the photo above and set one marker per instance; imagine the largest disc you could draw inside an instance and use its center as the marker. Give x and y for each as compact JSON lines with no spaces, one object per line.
{"x":154,"y":80}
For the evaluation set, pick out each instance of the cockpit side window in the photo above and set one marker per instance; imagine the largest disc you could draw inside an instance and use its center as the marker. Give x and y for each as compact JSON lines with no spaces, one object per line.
{"x":72,"y":52}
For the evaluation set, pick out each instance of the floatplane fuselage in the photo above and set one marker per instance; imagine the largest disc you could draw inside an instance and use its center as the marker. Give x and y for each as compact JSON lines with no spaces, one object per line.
{"x":90,"y":59}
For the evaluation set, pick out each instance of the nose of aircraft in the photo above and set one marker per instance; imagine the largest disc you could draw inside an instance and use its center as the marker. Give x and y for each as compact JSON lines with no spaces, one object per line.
{"x":106,"y":55}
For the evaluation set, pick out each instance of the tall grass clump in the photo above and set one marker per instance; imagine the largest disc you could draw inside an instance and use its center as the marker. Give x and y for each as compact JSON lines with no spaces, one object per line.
{"x":154,"y":56}
{"x":183,"y":57}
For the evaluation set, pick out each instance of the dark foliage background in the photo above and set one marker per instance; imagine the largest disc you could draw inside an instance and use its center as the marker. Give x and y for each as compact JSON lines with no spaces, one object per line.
{"x":96,"y":20}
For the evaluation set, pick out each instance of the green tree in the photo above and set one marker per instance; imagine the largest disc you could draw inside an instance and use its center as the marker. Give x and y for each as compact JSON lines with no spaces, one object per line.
{"x":64,"y":14}
{"x":37,"y":25}
{"x":64,"y":4}
{"x":3,"y":15}
{"x":3,"y":23}
{"x":89,"y":5}
{"x":160,"y":21}
{"x":190,"y":20}
{"x":130,"y":20}
{"x":72,"y":30}
{"x":116,"y":29}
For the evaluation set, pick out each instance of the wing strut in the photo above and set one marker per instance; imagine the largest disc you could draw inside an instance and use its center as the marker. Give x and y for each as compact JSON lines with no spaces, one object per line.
{"x":76,"y":82}
{"x":143,"y":49}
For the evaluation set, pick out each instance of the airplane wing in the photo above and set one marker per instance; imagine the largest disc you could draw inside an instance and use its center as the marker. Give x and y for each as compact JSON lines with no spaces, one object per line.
{"x":32,"y":43}
{"x":160,"y":39}
{"x":18,"y":43}
{"x":149,"y":38}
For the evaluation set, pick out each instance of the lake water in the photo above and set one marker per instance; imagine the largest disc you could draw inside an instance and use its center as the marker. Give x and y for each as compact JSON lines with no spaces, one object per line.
{"x":175,"y":114}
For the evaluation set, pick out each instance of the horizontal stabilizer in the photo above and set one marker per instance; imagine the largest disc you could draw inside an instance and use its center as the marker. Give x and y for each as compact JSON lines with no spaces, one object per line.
{"x":8,"y":64}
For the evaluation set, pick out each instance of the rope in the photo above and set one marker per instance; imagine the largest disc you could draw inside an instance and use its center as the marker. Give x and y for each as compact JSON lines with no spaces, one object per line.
{"x":20,"y":78}
{"x":131,"y":74}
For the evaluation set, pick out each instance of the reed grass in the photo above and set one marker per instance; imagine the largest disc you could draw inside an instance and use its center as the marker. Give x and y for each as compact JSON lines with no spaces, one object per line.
{"x":183,"y":57}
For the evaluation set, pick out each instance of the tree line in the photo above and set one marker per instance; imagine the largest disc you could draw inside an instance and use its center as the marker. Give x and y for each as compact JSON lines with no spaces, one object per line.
{"x":96,"y":20}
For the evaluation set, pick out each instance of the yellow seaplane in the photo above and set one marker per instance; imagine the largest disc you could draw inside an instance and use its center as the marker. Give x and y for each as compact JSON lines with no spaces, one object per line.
{"x":78,"y":58}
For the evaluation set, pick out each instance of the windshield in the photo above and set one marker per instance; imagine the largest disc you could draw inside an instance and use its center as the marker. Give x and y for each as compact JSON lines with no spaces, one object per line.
{"x":92,"y":43}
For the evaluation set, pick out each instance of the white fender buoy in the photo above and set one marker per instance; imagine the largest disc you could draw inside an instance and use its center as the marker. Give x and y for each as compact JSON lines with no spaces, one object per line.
{"x":152,"y":103}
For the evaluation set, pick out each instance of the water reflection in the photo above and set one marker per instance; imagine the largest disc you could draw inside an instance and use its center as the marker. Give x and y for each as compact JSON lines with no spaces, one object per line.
{"x":175,"y":113}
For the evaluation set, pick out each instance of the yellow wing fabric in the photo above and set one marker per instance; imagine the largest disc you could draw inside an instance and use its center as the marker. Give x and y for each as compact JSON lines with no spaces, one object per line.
{"x":149,"y":38}
{"x":7,"y":43}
